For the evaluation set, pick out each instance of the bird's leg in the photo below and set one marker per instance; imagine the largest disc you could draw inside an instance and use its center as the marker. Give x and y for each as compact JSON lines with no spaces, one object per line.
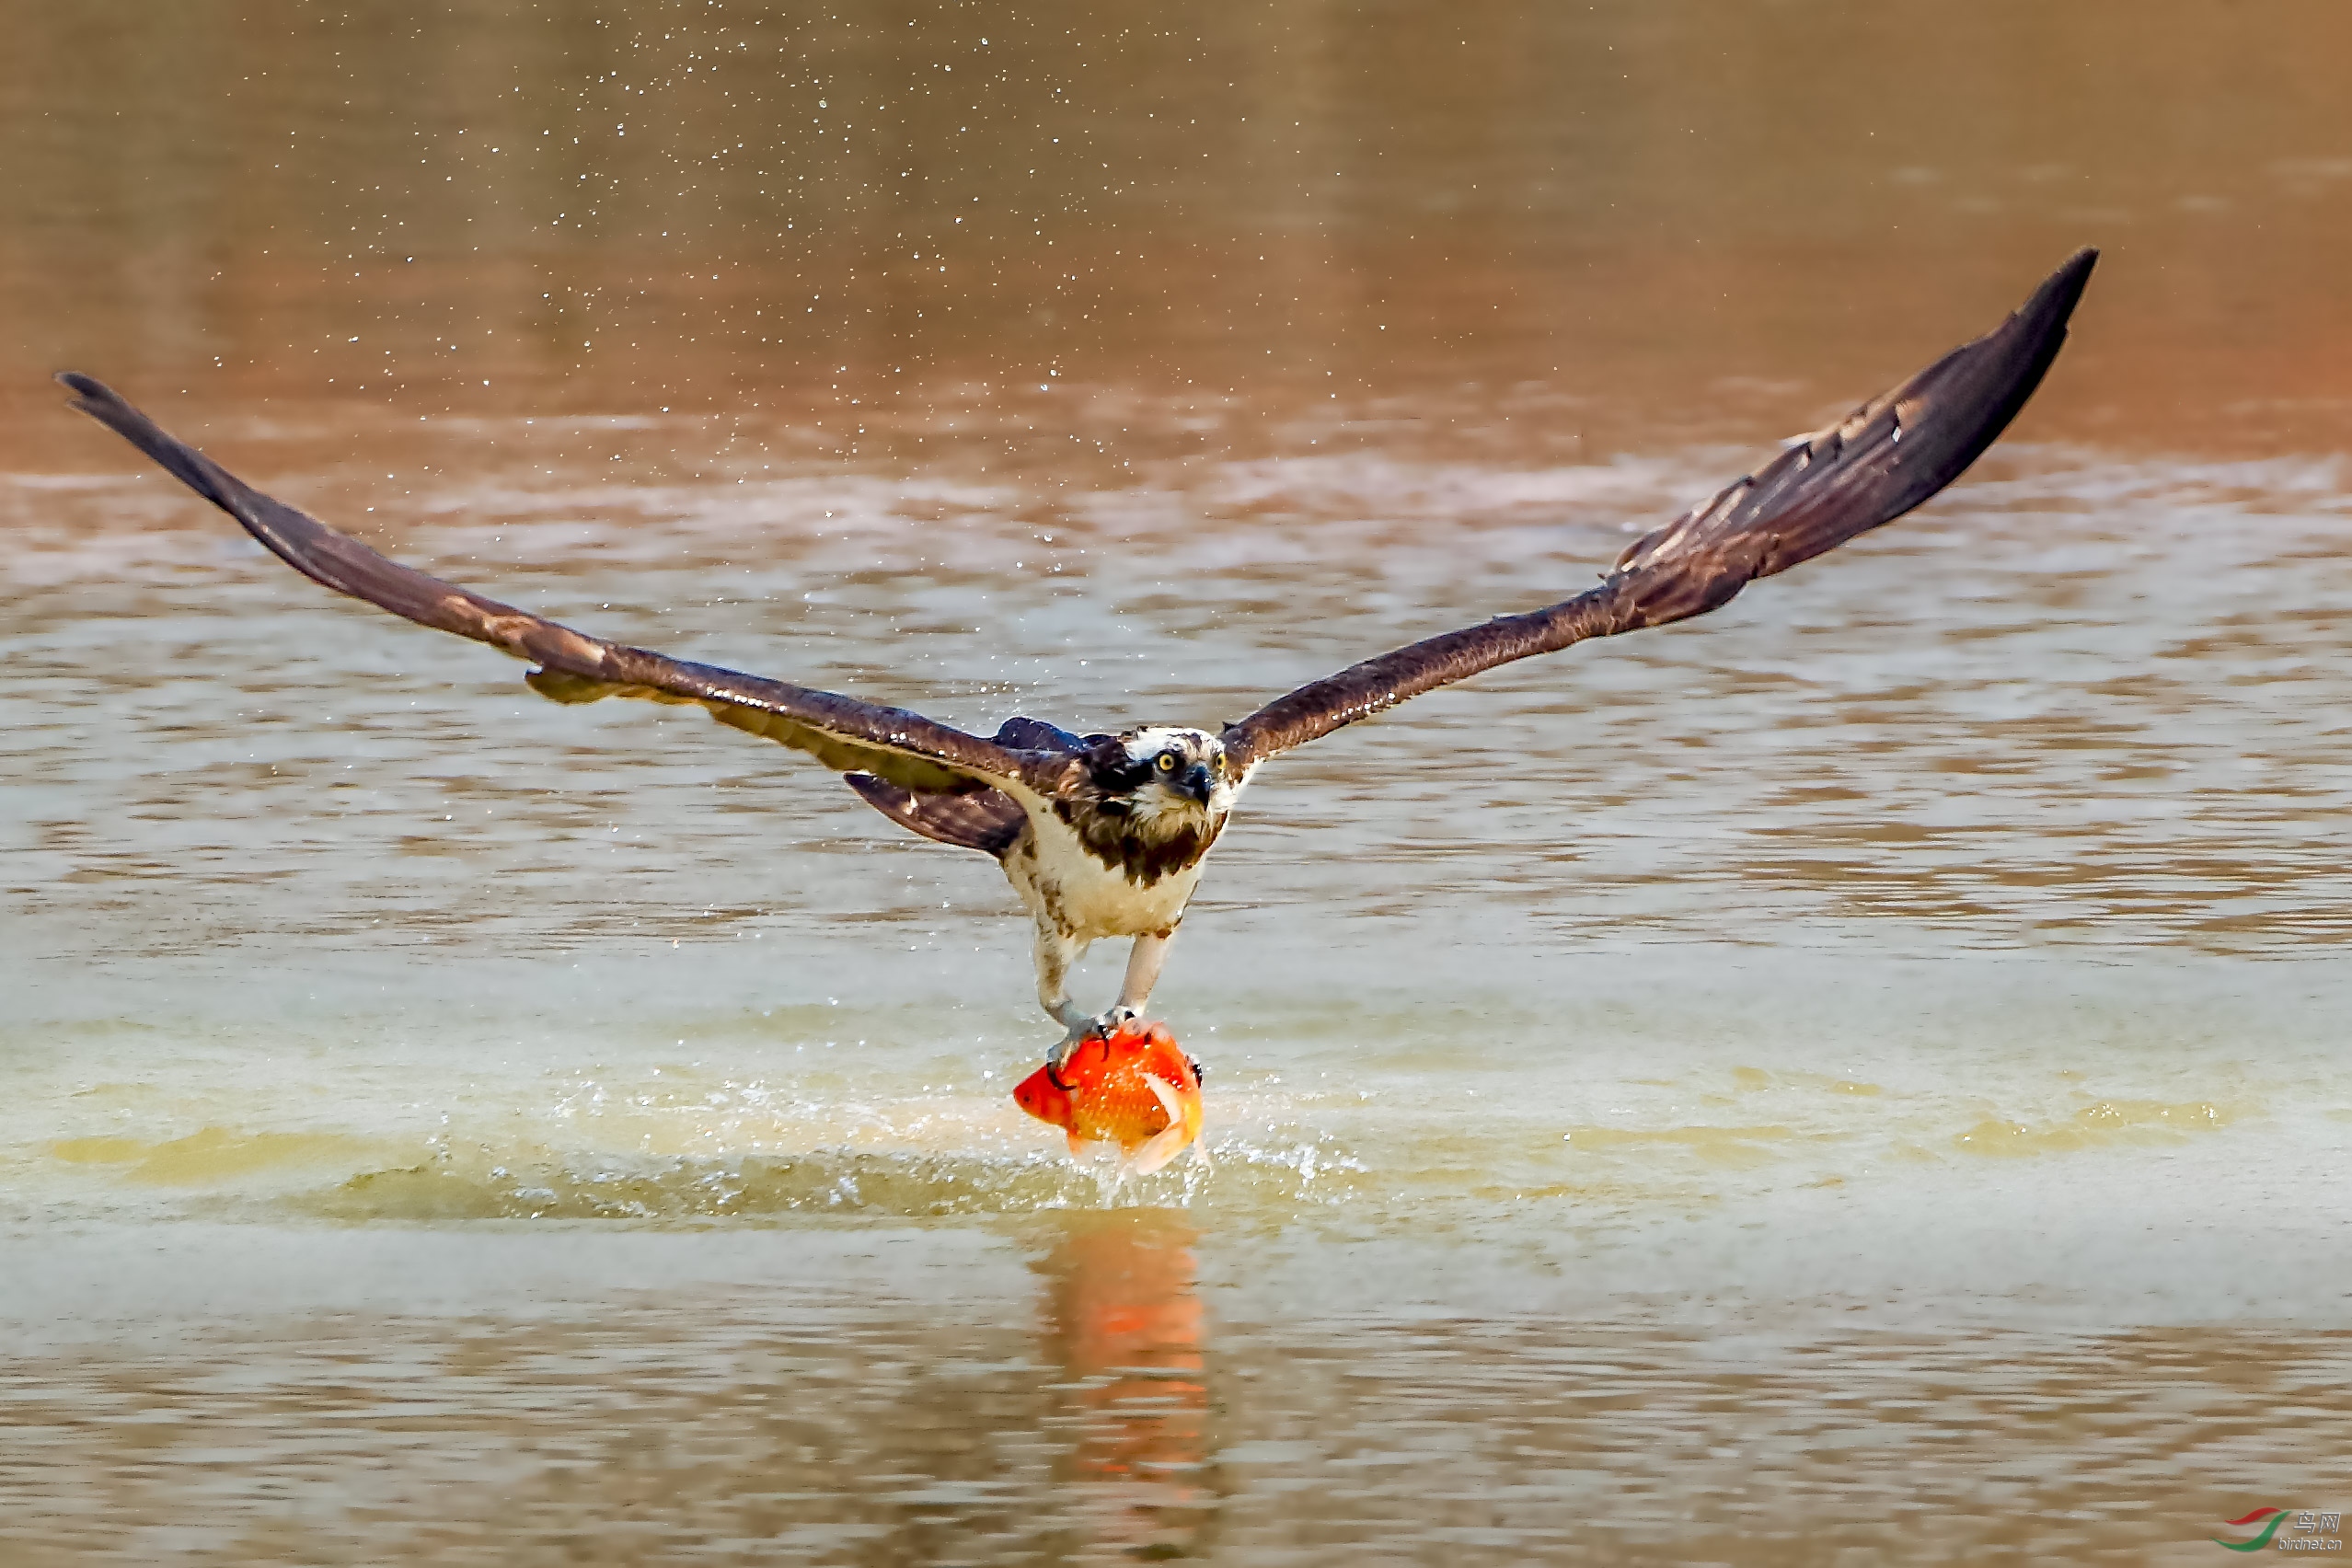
{"x":1143,"y":960}
{"x":1056,"y":952}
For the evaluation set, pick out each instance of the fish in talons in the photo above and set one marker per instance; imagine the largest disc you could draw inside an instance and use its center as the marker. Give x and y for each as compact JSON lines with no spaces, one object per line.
{"x":1132,"y":1086}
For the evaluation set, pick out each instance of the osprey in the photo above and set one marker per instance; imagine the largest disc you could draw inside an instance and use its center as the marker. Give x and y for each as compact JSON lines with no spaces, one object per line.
{"x":1103,"y":836}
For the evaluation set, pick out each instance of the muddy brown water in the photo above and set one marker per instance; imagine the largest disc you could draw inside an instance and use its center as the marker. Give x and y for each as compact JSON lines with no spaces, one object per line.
{"x":1857,"y":1079}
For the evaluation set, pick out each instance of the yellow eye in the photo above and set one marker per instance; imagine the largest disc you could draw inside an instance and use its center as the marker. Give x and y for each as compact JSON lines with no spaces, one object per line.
{"x":1167,"y":762}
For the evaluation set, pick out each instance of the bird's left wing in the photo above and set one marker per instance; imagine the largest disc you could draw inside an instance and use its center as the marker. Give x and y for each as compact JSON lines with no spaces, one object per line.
{"x":843,"y":733}
{"x":1879,"y":462}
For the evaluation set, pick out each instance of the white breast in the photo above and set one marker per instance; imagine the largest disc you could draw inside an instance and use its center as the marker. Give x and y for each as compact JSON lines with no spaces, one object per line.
{"x":1075,"y":892}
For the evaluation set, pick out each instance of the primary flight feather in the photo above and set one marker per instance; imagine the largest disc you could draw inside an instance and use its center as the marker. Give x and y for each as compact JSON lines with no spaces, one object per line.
{"x":1104,"y":836}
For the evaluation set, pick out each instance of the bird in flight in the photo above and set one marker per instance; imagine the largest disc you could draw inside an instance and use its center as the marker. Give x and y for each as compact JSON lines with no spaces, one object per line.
{"x":1103,"y":836}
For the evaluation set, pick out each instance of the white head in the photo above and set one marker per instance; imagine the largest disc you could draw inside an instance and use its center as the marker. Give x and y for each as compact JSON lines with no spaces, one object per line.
{"x":1170,"y":778}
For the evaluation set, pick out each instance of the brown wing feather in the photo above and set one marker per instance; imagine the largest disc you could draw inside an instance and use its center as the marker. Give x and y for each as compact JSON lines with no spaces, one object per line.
{"x":973,"y":818}
{"x":844,"y":734}
{"x":986,"y":820}
{"x":1879,"y":462}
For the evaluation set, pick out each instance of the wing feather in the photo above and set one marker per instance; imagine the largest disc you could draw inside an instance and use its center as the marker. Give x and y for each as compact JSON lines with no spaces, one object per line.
{"x":846,"y":735}
{"x":986,"y":820}
{"x":1879,"y":462}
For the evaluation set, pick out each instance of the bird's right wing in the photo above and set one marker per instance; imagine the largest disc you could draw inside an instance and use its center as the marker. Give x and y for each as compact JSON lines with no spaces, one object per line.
{"x":846,"y":734}
{"x":1873,"y":465}
{"x":986,"y":820}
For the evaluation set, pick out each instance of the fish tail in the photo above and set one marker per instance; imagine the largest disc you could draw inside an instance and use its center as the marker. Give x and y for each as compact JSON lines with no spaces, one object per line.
{"x":1156,"y":1152}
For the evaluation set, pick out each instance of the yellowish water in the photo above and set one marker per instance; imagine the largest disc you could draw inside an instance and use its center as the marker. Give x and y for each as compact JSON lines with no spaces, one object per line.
{"x":1857,"y":1079}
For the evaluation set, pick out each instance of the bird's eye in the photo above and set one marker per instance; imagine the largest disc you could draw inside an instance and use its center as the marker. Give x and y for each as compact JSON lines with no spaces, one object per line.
{"x":1167,"y":762}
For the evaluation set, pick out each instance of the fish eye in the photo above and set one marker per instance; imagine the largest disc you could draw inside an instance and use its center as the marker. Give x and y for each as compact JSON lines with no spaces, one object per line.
{"x":1167,"y":762}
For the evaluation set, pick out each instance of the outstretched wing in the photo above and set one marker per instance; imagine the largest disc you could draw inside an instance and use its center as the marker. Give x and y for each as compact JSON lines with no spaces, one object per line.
{"x":1879,"y":462}
{"x":987,"y":820}
{"x":902,"y":748}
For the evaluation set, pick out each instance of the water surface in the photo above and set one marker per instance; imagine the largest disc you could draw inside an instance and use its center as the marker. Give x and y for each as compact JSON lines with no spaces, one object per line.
{"x":1854,"y":1079}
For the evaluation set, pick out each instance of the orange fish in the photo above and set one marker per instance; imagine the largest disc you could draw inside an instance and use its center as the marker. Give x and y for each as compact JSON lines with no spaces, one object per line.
{"x":1134,"y":1088}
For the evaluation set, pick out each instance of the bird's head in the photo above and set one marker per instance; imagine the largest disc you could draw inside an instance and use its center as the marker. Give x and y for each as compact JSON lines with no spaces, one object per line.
{"x":1161,"y":779}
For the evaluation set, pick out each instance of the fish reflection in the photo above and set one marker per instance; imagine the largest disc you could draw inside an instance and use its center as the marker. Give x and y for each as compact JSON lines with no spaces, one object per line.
{"x":1123,"y":1321}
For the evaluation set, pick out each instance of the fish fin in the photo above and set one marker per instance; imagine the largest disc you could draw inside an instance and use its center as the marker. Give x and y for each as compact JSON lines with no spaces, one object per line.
{"x":1170,"y":1141}
{"x":1156,"y":1151}
{"x":1167,"y":1098}
{"x":1078,"y":1145}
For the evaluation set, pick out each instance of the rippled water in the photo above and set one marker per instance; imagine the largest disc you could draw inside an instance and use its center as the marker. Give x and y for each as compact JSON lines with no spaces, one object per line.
{"x":1855,"y":1079}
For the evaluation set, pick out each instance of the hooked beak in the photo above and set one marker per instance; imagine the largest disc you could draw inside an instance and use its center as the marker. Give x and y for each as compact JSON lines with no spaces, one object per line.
{"x":1197,"y":783}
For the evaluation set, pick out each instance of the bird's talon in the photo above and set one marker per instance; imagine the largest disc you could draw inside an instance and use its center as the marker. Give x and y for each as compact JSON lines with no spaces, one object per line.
{"x":1099,"y":1028}
{"x":1078,"y":1032}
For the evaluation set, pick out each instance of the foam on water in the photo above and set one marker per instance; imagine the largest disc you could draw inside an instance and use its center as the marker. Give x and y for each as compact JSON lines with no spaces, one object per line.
{"x":1658,"y":1090}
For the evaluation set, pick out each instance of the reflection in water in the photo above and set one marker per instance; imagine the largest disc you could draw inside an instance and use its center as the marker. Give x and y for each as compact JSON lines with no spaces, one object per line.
{"x":1123,"y":1321}
{"x":545,"y":1398}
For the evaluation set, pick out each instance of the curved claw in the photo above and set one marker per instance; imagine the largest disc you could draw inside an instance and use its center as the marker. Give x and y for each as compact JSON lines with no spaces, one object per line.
{"x":1102,"y":1026}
